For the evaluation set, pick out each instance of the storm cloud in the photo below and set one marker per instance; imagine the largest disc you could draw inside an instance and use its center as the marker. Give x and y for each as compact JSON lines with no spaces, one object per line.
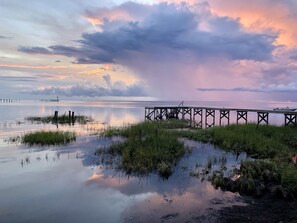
{"x":169,"y":26}
{"x":35,"y":50}
{"x":180,"y":51}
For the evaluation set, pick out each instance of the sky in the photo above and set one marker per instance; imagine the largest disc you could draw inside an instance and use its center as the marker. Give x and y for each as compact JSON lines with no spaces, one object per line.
{"x":149,"y":49}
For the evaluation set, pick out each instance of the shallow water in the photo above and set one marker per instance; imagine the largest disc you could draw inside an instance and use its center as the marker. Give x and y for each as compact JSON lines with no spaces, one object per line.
{"x":65,"y":184}
{"x":59,"y":184}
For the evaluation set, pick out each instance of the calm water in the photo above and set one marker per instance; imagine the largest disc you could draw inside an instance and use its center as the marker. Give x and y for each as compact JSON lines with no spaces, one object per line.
{"x":65,"y":184}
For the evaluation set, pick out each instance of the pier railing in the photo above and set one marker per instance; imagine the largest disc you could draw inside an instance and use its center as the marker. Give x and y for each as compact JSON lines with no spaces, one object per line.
{"x":206,"y":116}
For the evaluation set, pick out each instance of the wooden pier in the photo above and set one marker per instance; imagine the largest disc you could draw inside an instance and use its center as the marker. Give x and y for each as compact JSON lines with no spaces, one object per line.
{"x":200,"y":117}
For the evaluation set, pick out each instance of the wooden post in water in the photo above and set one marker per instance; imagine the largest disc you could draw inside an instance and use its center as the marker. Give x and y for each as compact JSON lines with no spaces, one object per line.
{"x":56,"y":116}
{"x":72,"y":117}
{"x":69,"y":115}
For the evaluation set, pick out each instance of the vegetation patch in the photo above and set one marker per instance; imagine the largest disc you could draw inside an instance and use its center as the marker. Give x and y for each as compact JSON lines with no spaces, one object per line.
{"x":149,"y":147}
{"x":257,"y":141}
{"x":272,"y":173}
{"x":62,"y":119}
{"x":46,"y":138}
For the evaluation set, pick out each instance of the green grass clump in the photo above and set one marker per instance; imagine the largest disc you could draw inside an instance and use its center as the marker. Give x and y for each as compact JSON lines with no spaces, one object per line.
{"x":289,"y":178}
{"x":258,"y":141}
{"x":62,"y":119}
{"x":262,"y":177}
{"x":46,"y":138}
{"x":150,"y":127}
{"x":150,"y":147}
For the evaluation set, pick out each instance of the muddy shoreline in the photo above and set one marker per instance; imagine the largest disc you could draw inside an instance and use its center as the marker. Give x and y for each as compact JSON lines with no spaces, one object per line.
{"x":261,"y":210}
{"x":257,"y":210}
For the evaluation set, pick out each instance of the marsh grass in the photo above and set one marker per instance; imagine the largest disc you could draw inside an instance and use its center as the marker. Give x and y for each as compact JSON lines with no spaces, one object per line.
{"x":62,"y":119}
{"x":214,"y":164}
{"x":46,"y":138}
{"x":272,"y":146}
{"x":150,"y":147}
{"x":155,"y":147}
{"x":257,"y":141}
{"x":137,"y":129}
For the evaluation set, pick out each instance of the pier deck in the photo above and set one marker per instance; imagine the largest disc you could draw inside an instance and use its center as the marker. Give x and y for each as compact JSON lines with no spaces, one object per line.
{"x":207,"y":115}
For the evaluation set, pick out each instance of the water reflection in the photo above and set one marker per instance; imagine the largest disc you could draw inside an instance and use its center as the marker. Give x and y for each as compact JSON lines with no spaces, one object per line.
{"x":180,"y":198}
{"x":64,"y":184}
{"x":12,"y":117}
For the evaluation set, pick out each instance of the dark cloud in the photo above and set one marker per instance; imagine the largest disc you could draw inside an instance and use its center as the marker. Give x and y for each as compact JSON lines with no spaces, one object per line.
{"x":224,"y":25}
{"x":35,"y":50}
{"x":168,"y":27}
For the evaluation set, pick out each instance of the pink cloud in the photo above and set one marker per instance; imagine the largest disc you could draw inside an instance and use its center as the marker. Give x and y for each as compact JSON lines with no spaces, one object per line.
{"x":262,"y":16}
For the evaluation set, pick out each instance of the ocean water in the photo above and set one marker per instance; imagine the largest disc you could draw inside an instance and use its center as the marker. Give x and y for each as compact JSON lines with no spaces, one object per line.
{"x":67,"y":184}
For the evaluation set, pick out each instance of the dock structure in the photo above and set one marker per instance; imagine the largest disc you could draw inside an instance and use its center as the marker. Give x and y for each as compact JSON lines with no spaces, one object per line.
{"x":200,"y":117}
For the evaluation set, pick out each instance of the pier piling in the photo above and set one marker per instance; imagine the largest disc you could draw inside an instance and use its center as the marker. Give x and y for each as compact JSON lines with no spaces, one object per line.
{"x":290,"y":119}
{"x":224,"y":114}
{"x":56,"y":116}
{"x":263,"y":117}
{"x":209,"y":113}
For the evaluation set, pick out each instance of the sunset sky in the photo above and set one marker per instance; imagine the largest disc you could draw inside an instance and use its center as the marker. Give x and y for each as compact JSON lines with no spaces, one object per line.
{"x":150,"y":49}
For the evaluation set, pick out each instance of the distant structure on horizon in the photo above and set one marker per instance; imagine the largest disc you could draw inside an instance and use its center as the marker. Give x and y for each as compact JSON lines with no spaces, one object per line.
{"x":52,"y":100}
{"x":9,"y":100}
